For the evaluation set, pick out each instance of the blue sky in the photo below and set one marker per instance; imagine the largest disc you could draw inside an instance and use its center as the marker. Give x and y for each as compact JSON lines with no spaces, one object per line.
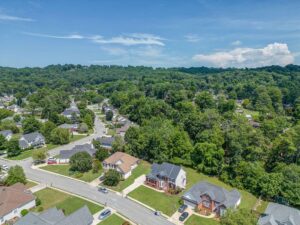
{"x":219,"y":33}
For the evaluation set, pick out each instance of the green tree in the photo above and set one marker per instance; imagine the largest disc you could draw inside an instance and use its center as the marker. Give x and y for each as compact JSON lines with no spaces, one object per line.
{"x":4,"y":113}
{"x":270,"y":184}
{"x":101,"y":154}
{"x":208,"y":158}
{"x":12,"y":148}
{"x":118,"y":145}
{"x":15,"y":175}
{"x":2,"y":143}
{"x":60,"y":136}
{"x":205,"y":100}
{"x":30,"y":124}
{"x":81,"y":162}
{"x":39,"y":154}
{"x":83,"y":128}
{"x":238,"y":217}
{"x":46,"y":130}
{"x":112,"y":178}
{"x":97,"y":166}
{"x":88,"y":119}
{"x":109,"y":115}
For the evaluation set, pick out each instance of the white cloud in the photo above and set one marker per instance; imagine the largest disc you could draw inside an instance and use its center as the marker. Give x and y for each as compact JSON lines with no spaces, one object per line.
{"x":272,"y":54}
{"x":114,"y":50}
{"x":5,"y":17}
{"x":236,"y":43}
{"x":127,"y":40}
{"x":71,"y":36}
{"x":192,"y":38}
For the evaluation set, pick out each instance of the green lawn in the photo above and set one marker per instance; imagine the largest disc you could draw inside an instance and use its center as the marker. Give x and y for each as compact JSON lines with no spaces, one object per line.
{"x":76,"y":137}
{"x":197,"y":220}
{"x":142,"y":168}
{"x":168,"y":204}
{"x":64,"y":170}
{"x":69,"y":203}
{"x":262,"y":207}
{"x":28,"y":153}
{"x":112,"y":220}
{"x":30,"y":184}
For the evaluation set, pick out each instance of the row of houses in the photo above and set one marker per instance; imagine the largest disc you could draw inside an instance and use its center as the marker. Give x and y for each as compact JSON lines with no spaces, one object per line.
{"x":15,"y":198}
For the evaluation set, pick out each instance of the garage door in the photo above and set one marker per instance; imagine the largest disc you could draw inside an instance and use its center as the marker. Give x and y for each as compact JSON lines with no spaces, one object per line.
{"x":189,"y":204}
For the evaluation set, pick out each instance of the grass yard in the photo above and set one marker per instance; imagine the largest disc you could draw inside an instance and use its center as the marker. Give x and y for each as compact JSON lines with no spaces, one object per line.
{"x":197,"y":220}
{"x":262,"y":207}
{"x":28,"y":153}
{"x":142,"y":168}
{"x":69,"y":203}
{"x":64,"y":170}
{"x":112,"y":220}
{"x":30,"y":184}
{"x":168,"y":204}
{"x":77,"y":137}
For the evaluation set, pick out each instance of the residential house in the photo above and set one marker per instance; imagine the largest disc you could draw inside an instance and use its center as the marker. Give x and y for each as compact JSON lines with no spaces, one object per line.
{"x":209,"y":198}
{"x":70,"y":127}
{"x":166,"y":176}
{"x":7,"y":134}
{"x":13,"y":200}
{"x":54,"y":216}
{"x":72,"y":111}
{"x":121,"y":162}
{"x":15,"y":108}
{"x":65,"y":155}
{"x":277,"y":214}
{"x":32,"y":140}
{"x":122,"y":130}
{"x":106,"y":142}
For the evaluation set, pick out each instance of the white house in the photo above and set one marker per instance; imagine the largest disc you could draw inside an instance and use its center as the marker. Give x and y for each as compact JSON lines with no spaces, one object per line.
{"x":13,"y":200}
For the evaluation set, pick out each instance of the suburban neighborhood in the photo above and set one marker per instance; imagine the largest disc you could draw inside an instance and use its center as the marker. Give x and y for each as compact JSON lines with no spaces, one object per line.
{"x":201,"y":199}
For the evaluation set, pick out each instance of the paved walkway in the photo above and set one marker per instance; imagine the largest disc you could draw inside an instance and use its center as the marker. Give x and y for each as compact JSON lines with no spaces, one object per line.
{"x":37,"y":188}
{"x":137,"y":182}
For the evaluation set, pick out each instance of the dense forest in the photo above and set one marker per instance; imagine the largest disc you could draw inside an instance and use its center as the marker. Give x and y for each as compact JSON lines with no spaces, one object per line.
{"x":198,"y":117}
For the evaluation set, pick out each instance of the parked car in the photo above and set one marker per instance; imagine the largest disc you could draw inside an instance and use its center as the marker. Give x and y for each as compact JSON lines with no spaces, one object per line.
{"x":182,"y":208}
{"x":51,"y":160}
{"x":5,"y":167}
{"x":103,"y":190}
{"x":106,"y":213}
{"x":38,"y":161}
{"x":183,"y":216}
{"x":102,"y":177}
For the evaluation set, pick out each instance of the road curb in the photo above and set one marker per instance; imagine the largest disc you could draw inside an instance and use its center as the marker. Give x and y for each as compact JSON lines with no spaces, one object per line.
{"x":149,"y":207}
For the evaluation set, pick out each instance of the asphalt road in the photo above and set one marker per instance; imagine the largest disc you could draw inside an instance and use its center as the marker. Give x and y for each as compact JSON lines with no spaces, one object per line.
{"x":132,"y":210}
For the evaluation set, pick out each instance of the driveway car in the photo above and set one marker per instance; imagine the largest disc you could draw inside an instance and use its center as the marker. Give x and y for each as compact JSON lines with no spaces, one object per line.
{"x":183,"y":216}
{"x":106,"y":213}
{"x":182,"y":208}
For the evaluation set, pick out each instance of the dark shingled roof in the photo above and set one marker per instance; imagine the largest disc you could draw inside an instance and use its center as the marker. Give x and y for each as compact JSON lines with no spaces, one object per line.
{"x":106,"y":141}
{"x":56,"y":217}
{"x":216,"y":193}
{"x":164,"y":170}
{"x":66,"y":154}
{"x":277,"y":214}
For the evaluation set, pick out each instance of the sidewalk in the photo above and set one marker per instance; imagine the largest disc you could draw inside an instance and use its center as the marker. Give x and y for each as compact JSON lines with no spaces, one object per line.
{"x":137,"y":182}
{"x":37,"y":188}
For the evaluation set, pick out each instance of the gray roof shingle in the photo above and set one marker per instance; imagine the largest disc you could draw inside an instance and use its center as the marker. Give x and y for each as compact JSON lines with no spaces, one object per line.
{"x":66,"y":154}
{"x":277,"y":214}
{"x":168,"y":170}
{"x":56,"y":217}
{"x":216,"y":193}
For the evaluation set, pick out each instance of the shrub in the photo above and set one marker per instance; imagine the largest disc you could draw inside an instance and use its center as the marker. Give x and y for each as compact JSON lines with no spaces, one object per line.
{"x":126,"y":223}
{"x":38,"y":202}
{"x":24,"y":212}
{"x":81,"y":162}
{"x":40,"y":209}
{"x":112,"y":178}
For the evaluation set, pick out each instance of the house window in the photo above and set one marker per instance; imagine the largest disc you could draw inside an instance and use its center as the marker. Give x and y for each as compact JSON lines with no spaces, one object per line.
{"x":206,"y":204}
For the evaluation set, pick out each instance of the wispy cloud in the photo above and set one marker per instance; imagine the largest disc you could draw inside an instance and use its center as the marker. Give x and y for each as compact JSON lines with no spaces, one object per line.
{"x":127,"y":40}
{"x":5,"y":17}
{"x":236,"y":43}
{"x":192,"y":38}
{"x":70,"y":36}
{"x":272,"y":54}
